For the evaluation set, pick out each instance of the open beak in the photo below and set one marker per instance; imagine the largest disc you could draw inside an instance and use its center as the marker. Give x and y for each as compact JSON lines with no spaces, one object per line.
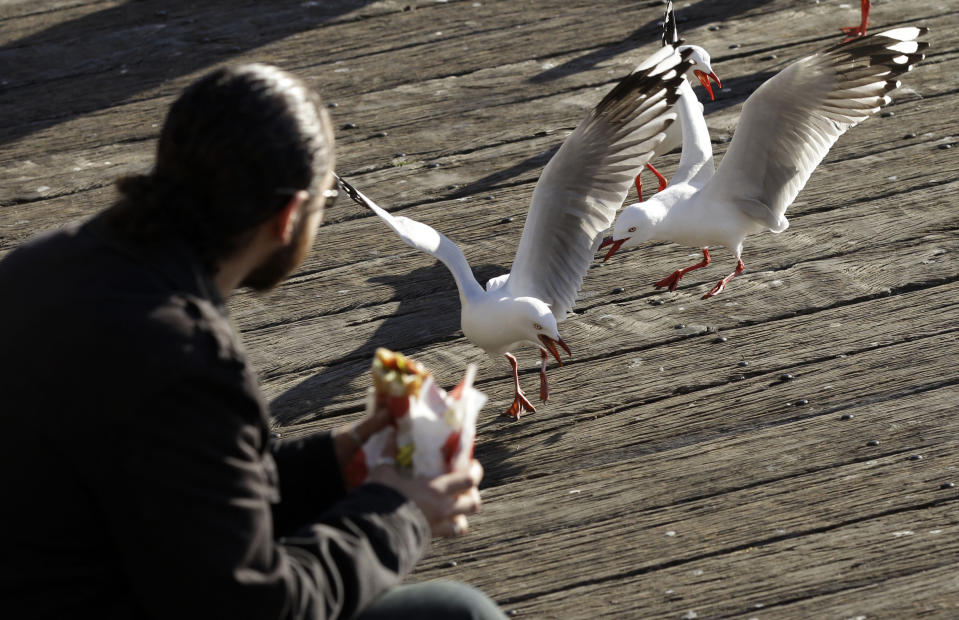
{"x":606,"y":241}
{"x":615,"y":245}
{"x":704,"y":80}
{"x":550,"y":346}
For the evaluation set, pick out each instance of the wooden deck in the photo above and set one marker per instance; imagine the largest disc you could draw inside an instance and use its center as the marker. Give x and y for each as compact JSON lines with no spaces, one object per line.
{"x":672,"y":474}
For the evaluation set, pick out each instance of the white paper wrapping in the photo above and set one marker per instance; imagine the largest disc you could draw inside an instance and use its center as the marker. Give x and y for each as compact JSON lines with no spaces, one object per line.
{"x":437,"y":433}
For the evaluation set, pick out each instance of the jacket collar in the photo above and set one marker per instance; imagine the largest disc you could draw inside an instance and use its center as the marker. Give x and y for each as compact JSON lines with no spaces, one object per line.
{"x":172,"y":259}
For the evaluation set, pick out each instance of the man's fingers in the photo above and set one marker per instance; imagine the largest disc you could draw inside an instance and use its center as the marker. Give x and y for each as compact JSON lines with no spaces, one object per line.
{"x":466,"y":504}
{"x":457,"y":526}
{"x":476,"y":472}
{"x":459,"y":481}
{"x":377,"y":420}
{"x":452,"y":484}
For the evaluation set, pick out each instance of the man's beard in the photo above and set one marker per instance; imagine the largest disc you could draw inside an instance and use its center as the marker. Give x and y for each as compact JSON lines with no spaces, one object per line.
{"x":281,"y":263}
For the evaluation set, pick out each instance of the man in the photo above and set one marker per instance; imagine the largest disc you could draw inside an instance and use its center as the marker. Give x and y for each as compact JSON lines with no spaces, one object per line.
{"x":138,"y":471}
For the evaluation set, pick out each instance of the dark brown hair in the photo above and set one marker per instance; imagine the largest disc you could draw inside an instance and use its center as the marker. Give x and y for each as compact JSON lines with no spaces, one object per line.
{"x":234,"y":148}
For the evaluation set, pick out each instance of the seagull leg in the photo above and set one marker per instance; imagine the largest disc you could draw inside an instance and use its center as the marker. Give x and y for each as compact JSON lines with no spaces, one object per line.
{"x":543,"y":385}
{"x":672,"y":280}
{"x":859,"y":31}
{"x":716,"y":290}
{"x":520,"y":404}
{"x":662,"y":180}
{"x":639,"y":184}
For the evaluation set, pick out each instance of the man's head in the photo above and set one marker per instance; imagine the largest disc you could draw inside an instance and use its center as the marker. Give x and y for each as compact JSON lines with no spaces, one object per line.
{"x":238,"y":148}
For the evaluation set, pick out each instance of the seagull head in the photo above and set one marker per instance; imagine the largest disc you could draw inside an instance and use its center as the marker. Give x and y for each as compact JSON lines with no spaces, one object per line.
{"x":538,"y":326}
{"x":701,"y":67}
{"x":633,"y":226}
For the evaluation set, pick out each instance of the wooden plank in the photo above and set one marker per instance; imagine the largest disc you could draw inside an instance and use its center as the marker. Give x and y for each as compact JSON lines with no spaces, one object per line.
{"x":780,"y":495}
{"x":932,"y":593}
{"x":746,"y":582}
{"x":21,"y":17}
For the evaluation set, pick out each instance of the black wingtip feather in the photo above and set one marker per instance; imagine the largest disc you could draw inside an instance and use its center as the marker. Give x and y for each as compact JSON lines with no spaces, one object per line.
{"x":670,"y":33}
{"x":642,"y":80}
{"x":865,"y":54}
{"x":890,"y":85}
{"x":350,"y":191}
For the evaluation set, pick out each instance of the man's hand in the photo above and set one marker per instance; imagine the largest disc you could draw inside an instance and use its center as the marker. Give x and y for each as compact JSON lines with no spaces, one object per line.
{"x":446,"y":500}
{"x":348,"y":439}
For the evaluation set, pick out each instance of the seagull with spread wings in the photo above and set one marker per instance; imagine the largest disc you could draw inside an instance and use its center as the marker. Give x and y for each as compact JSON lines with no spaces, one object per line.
{"x":786,"y":128}
{"x":574,"y":202}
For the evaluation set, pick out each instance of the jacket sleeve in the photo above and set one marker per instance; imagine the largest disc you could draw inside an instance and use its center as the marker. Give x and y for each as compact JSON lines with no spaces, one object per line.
{"x":310,"y":480}
{"x":190,"y":503}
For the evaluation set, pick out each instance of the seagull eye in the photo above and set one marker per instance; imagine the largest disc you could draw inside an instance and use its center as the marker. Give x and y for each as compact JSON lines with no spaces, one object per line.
{"x":632,"y":229}
{"x":537,"y":326}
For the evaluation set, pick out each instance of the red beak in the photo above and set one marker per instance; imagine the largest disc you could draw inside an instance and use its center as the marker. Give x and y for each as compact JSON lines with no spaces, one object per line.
{"x":615,"y":247}
{"x":704,"y":80}
{"x":550,"y":345}
{"x":606,"y":241}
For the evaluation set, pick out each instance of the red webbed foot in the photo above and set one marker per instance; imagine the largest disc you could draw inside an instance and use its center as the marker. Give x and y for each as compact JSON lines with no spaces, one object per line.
{"x":721,"y":285}
{"x":520,"y":406}
{"x":854,"y":32}
{"x":672,"y":280}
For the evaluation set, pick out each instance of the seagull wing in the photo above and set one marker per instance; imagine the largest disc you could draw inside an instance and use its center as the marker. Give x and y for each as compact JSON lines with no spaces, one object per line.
{"x":586,"y":181}
{"x":791,"y":121}
{"x":422,"y":237}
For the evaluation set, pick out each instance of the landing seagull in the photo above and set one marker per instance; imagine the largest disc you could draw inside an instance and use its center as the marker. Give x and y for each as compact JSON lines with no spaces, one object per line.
{"x":574,"y":201}
{"x":786,"y":128}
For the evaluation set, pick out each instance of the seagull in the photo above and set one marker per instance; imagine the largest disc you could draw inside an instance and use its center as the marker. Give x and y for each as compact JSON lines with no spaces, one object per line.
{"x":702,"y":71}
{"x":574,"y":201}
{"x":859,"y":31}
{"x":786,"y":128}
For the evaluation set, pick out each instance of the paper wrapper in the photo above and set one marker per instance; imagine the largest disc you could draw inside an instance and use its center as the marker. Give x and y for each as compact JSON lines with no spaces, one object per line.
{"x":434,"y":430}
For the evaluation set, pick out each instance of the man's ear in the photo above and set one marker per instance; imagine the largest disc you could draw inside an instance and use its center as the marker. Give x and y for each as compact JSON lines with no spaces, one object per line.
{"x":285,"y":221}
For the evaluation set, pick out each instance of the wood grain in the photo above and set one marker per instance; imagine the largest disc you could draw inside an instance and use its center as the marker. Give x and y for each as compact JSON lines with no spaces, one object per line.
{"x":672,"y":475}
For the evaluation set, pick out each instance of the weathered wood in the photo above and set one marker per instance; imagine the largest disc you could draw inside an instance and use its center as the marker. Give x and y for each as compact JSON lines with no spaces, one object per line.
{"x":749,"y":580}
{"x":761,"y":492}
{"x":932,"y":593}
{"x":651,"y":428}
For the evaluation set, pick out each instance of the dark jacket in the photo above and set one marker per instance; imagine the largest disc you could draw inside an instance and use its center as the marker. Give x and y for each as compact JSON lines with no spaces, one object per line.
{"x":138,"y":473}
